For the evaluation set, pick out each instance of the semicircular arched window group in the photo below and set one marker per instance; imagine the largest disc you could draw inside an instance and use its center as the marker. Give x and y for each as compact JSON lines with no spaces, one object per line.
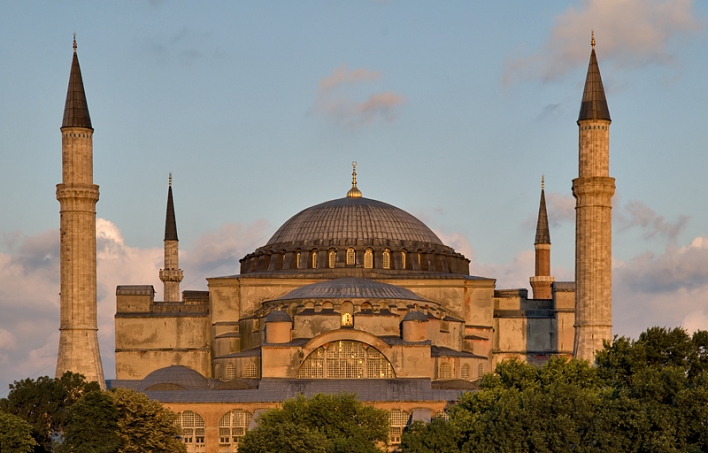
{"x":346,"y":359}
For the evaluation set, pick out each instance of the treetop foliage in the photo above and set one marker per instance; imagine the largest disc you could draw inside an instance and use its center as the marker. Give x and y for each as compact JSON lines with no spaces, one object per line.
{"x":645,"y":395}
{"x":321,"y":424}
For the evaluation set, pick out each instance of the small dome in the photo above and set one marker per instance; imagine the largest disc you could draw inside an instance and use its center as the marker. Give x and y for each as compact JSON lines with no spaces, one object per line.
{"x":175,"y":377}
{"x":351,"y":288}
{"x":278,"y":316}
{"x":353,"y":218}
{"x":415,"y":315}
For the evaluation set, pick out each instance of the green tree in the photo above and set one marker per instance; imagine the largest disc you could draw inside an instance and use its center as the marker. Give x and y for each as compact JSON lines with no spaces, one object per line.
{"x":44,"y":404}
{"x":15,"y":434}
{"x":92,"y":425}
{"x":145,"y":426}
{"x":324,"y":423}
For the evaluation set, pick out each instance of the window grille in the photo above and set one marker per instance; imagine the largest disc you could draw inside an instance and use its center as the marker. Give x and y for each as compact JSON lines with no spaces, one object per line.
{"x":465,"y":371}
{"x":347,"y":319}
{"x":398,"y":420}
{"x":251,"y":370}
{"x":445,"y":371}
{"x":368,"y":259}
{"x":387,"y":259}
{"x":232,"y":427}
{"x":346,"y":360}
{"x":230,"y":372}
{"x":332,"y":259}
{"x":192,"y":425}
{"x":351,"y":257}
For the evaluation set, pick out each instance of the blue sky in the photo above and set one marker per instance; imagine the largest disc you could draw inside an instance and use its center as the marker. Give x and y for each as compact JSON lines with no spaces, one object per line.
{"x":452,"y":110}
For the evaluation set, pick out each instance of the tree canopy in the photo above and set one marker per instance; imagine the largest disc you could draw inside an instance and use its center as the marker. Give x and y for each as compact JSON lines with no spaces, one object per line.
{"x":15,"y":434}
{"x":321,"y":424}
{"x":92,"y":426}
{"x":642,"y":396}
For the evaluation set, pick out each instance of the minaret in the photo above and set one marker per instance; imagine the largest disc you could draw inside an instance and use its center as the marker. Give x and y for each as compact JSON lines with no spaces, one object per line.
{"x":77,"y":195}
{"x":171,"y":275}
{"x":542,"y":281}
{"x":593,"y":190}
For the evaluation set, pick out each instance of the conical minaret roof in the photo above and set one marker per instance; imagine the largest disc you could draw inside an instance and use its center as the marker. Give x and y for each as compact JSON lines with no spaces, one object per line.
{"x":543,"y":233}
{"x":594,"y":104}
{"x":76,"y":113}
{"x":170,"y":222}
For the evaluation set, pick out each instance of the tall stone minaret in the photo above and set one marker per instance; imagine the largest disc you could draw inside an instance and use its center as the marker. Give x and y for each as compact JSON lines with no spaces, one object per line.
{"x":77,"y":195}
{"x":542,"y":281}
{"x":171,"y":275}
{"x":593,"y":190}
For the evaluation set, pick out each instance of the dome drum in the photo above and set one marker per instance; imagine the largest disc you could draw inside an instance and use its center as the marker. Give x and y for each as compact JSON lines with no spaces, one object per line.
{"x":411,"y":257}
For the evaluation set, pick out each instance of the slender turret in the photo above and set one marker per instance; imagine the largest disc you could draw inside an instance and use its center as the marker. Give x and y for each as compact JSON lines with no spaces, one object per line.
{"x":593,"y":190}
{"x":542,"y":281}
{"x":171,"y":275}
{"x":77,"y":195}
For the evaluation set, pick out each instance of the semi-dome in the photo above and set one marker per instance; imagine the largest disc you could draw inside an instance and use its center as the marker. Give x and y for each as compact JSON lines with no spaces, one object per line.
{"x":174,"y":377}
{"x":351,"y":288}
{"x":353,"y":218}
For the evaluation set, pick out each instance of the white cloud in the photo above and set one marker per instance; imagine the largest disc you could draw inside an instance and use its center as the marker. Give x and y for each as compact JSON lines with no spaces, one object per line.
{"x":630,"y":33}
{"x":335,"y":98}
{"x":637,"y":214}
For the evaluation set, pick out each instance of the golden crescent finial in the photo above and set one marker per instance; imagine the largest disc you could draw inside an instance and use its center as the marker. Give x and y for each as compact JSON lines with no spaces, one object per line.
{"x":74,"y":41}
{"x":543,"y":182}
{"x":592,"y":38}
{"x":354,"y":192}
{"x":170,"y":179}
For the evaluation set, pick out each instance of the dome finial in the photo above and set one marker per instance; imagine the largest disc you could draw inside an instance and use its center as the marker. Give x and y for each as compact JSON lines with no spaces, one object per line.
{"x":74,"y":41}
{"x":170,"y":179}
{"x":543,"y":182}
{"x":592,"y":38}
{"x":354,"y":192}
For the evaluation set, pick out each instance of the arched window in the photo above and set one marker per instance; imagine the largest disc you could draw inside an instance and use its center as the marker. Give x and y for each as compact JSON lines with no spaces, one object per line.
{"x":297,"y":260}
{"x":332,"y":258}
{"x":351,"y":257}
{"x":403,"y":259}
{"x":445,"y":371}
{"x":192,"y":425}
{"x":398,"y":420}
{"x":232,"y":427}
{"x":387,"y":259}
{"x":480,"y":370}
{"x":314,"y":259}
{"x":368,"y":259}
{"x":346,"y":359}
{"x":251,"y":370}
{"x":347,"y":319}
{"x":230,"y":372}
{"x":465,"y":371}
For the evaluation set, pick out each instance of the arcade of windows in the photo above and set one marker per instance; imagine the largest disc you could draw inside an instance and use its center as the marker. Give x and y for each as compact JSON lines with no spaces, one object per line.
{"x":398,"y":421}
{"x":350,"y":259}
{"x":192,"y":425}
{"x":346,"y":360}
{"x":232,"y":427}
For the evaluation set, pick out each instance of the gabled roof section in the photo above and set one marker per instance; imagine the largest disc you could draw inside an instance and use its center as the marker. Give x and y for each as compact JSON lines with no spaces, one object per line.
{"x":594,"y":104}
{"x":76,"y":113}
{"x":543,"y":234}
{"x":170,"y":222}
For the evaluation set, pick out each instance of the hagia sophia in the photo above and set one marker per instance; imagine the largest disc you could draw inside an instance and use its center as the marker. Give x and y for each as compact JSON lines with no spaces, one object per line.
{"x":349,"y":295}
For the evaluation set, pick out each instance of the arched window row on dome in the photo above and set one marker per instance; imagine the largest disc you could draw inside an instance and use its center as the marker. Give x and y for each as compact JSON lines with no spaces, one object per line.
{"x":430,"y":260}
{"x":232,"y":427}
{"x":398,"y":420}
{"x":192,"y":425}
{"x":346,"y":359}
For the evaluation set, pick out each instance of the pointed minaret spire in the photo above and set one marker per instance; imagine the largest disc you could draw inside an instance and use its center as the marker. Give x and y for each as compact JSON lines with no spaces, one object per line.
{"x":171,"y":275}
{"x":76,"y":113}
{"x":77,"y":196}
{"x":593,"y":190}
{"x":594,"y":104}
{"x":542,"y":281}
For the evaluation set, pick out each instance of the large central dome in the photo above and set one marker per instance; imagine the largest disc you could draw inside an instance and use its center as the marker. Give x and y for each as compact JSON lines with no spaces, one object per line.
{"x":353,"y":218}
